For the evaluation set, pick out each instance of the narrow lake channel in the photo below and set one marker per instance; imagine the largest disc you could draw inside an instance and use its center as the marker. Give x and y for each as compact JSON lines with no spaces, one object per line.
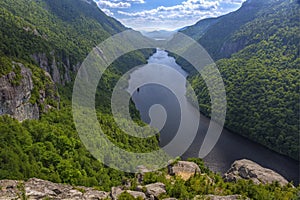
{"x":230,"y":146}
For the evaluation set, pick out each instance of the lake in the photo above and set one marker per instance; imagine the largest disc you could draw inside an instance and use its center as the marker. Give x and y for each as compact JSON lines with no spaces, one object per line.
{"x":230,"y":146}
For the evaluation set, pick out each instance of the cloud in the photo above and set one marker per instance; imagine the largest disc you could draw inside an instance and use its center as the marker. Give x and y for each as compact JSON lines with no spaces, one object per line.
{"x":186,"y":12}
{"x":109,"y":4}
{"x":107,"y":12}
{"x":232,"y":1}
{"x":132,"y":1}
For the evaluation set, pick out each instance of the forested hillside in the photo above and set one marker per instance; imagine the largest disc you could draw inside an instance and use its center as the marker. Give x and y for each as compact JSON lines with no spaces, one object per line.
{"x":262,"y":79}
{"x":55,"y":36}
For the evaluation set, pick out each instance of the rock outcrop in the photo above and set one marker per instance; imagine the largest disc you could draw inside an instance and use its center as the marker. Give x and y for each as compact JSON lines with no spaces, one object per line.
{"x":247,"y":169}
{"x":117,"y":191}
{"x":16,"y":91}
{"x":53,"y":67}
{"x":15,"y":94}
{"x":184,"y":169}
{"x":35,"y":189}
{"x":155,"y":190}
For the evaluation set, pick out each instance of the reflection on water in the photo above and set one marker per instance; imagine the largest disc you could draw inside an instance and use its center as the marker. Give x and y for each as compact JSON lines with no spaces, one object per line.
{"x":230,"y":146}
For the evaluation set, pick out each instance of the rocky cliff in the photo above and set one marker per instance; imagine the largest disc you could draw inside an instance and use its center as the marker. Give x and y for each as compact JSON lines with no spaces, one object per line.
{"x":59,"y":71}
{"x":17,"y":94}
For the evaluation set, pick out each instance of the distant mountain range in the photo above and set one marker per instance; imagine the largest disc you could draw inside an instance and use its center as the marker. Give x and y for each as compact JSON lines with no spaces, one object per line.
{"x":159,"y":35}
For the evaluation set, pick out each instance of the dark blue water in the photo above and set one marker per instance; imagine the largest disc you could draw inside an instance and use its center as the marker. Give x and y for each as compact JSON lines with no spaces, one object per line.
{"x":230,"y":146}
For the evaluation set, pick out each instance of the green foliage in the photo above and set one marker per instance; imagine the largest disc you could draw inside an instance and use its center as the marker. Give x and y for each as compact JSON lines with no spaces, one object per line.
{"x":50,"y":148}
{"x":65,"y":30}
{"x":211,"y":183}
{"x":126,"y":196}
{"x":5,"y":65}
{"x":262,"y":80}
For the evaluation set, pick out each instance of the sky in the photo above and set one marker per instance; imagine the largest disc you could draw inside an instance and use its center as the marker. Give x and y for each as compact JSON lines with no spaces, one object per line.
{"x":150,"y":15}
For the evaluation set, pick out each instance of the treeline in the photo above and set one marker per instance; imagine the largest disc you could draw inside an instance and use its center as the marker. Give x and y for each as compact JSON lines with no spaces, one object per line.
{"x":50,"y":148}
{"x":262,"y":80}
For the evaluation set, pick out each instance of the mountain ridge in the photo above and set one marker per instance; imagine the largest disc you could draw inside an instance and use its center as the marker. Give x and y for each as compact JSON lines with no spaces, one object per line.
{"x":260,"y":54}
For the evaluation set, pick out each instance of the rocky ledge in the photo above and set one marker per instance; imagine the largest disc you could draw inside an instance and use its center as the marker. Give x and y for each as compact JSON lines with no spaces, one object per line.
{"x":35,"y":189}
{"x":247,"y":169}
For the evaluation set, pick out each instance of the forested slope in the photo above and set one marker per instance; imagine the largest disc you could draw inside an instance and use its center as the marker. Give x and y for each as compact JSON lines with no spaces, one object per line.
{"x":55,"y":36}
{"x":262,"y":79}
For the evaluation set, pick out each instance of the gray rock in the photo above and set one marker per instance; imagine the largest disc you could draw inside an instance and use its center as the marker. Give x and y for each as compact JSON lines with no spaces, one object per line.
{"x":136,"y":194}
{"x":247,"y":169}
{"x":15,"y":98}
{"x":141,"y":172}
{"x":184,"y":169}
{"x":117,"y":191}
{"x":9,"y":190}
{"x":52,"y":67}
{"x":15,"y":95}
{"x":35,"y":189}
{"x":155,"y":189}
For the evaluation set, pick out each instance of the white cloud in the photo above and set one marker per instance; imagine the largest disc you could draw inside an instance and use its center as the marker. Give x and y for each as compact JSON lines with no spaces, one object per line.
{"x":186,"y":9}
{"x":107,"y":12}
{"x":132,"y":1}
{"x":232,"y":1}
{"x":185,"y":13}
{"x":109,"y":4}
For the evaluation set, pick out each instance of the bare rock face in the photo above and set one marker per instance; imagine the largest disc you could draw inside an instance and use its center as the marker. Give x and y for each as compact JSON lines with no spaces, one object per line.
{"x":155,"y":190}
{"x":117,"y":191}
{"x":184,"y":169}
{"x":247,"y":169}
{"x":15,"y":95}
{"x":35,"y":189}
{"x":51,"y":66}
{"x":16,"y":90}
{"x":47,"y":66}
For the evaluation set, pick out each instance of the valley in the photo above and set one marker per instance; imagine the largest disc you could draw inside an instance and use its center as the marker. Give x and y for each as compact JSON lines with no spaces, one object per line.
{"x":43,"y":44}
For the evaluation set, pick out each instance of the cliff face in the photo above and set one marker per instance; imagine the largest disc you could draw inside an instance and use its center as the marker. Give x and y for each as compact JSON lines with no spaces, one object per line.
{"x":16,"y":94}
{"x":62,"y":76}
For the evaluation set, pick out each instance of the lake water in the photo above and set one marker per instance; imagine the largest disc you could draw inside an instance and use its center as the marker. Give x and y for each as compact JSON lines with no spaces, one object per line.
{"x":230,"y":146}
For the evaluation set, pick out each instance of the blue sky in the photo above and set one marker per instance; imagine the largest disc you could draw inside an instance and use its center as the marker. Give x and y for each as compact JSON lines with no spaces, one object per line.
{"x":149,"y":15}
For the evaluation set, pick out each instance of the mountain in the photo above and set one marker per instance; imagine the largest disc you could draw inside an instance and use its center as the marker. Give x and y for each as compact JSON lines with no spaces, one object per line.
{"x":216,"y":35}
{"x":257,"y":51}
{"x":51,"y":31}
{"x":42,"y":44}
{"x":160,"y":35}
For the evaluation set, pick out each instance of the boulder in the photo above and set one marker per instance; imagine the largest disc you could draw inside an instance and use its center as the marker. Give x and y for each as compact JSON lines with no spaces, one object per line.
{"x":247,"y":169}
{"x":184,"y":169}
{"x":9,"y":189}
{"x":35,"y":189}
{"x":117,"y":191}
{"x":136,"y":194}
{"x":155,"y":189}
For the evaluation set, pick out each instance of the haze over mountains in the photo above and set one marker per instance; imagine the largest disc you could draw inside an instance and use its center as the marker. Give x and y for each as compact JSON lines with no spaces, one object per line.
{"x":44,"y":42}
